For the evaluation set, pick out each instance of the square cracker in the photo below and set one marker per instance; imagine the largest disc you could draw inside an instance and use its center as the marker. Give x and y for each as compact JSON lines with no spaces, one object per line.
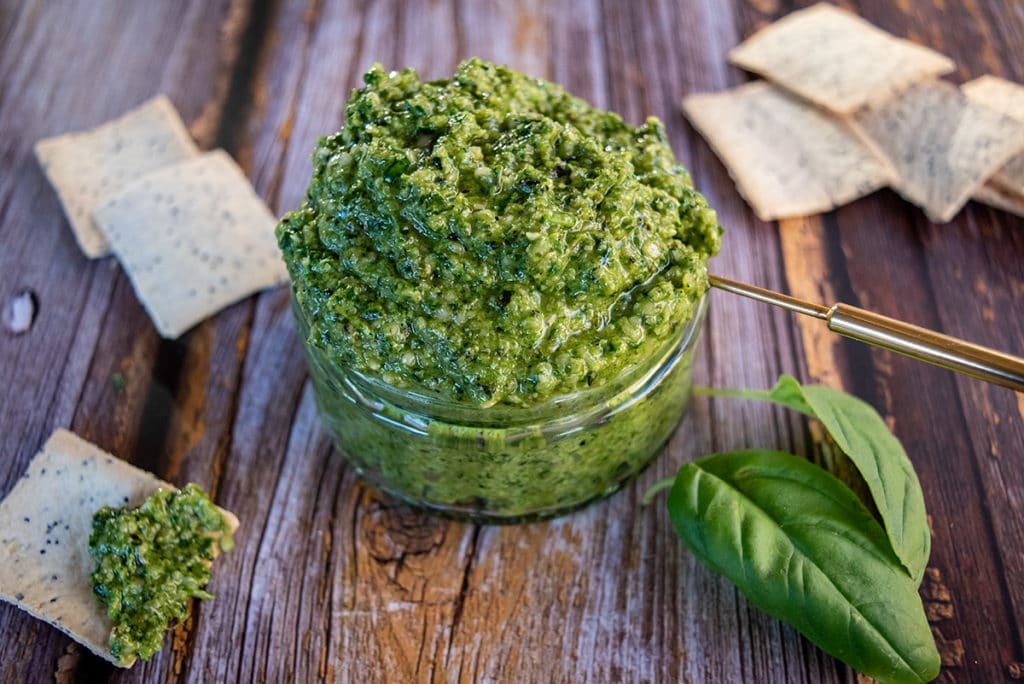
{"x":836,"y":59}
{"x":87,"y":167}
{"x":942,"y":145}
{"x":193,"y":238}
{"x":788,"y":158}
{"x":1007,"y":98}
{"x":45,"y":523}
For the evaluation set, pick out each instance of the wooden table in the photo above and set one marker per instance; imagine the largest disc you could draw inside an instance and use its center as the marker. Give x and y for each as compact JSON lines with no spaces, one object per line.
{"x":331,"y":580}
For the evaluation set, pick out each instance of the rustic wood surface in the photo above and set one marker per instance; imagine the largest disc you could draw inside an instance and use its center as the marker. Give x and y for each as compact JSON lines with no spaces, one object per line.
{"x":331,"y":580}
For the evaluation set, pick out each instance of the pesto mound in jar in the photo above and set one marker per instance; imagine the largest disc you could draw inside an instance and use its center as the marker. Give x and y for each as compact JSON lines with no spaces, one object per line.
{"x":493,"y":239}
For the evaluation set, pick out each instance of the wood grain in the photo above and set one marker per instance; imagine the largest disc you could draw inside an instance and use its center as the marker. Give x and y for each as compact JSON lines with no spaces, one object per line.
{"x":333,"y":581}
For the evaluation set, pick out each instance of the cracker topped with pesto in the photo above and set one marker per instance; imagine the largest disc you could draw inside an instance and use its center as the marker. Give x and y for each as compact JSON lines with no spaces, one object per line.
{"x":111,"y":583}
{"x":493,"y":239}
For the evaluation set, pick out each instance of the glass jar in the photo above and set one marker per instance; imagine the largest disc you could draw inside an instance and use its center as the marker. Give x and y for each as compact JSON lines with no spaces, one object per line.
{"x":505,"y":463}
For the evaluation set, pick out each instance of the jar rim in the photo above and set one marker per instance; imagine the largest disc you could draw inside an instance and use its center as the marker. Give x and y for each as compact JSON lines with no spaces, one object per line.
{"x":373,"y":390}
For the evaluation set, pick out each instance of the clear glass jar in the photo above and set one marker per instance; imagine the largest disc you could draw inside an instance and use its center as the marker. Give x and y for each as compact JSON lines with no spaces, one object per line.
{"x":503,"y":463}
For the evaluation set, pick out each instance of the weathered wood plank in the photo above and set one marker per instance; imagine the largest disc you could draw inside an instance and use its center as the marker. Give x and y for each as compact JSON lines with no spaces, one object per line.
{"x":972,"y":272}
{"x":91,"y":356}
{"x":250,"y":477}
{"x":387,"y":581}
{"x":993,"y":419}
{"x":975,"y":270}
{"x":750,"y":345}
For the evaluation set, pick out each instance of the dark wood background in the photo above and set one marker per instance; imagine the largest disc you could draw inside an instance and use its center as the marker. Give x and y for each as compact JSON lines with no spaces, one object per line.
{"x":330,"y":580}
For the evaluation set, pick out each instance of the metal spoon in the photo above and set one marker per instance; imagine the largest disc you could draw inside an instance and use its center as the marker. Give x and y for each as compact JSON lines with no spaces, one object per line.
{"x":920,"y":343}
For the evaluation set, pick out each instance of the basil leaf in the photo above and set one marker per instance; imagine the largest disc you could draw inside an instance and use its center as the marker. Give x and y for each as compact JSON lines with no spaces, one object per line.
{"x":803,"y":548}
{"x":863,"y":436}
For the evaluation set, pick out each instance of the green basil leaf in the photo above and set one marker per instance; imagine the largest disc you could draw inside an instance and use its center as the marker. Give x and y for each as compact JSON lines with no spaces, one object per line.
{"x":803,"y":548}
{"x":863,"y":436}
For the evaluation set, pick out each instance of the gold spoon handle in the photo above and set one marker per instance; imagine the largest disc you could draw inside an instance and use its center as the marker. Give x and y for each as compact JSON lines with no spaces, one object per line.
{"x":889,"y":333}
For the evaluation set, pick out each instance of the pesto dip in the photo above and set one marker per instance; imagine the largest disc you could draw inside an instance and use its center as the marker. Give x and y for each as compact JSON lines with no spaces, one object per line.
{"x":150,"y":561}
{"x":490,"y":242}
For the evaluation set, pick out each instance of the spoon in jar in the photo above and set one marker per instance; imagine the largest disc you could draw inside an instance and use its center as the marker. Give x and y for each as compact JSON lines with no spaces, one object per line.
{"x":895,"y":335}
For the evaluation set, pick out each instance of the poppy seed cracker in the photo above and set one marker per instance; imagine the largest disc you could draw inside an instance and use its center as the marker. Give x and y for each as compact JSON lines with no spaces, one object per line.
{"x":193,"y":238}
{"x":88,"y":167}
{"x":45,"y":523}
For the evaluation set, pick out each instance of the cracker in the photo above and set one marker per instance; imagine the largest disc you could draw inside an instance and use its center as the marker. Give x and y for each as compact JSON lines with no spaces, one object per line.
{"x":87,"y":167}
{"x":1007,"y":98}
{"x":193,"y":238}
{"x":942,"y":145}
{"x":836,"y":59}
{"x":45,"y":523}
{"x":994,"y":196}
{"x":788,"y":158}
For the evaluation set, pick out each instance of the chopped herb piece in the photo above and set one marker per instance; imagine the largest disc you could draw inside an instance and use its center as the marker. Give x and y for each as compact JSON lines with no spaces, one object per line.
{"x":150,"y":561}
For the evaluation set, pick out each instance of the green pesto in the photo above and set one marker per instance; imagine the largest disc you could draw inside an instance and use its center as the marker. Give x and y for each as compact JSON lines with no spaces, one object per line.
{"x":150,"y":561}
{"x":493,"y":239}
{"x":506,"y":463}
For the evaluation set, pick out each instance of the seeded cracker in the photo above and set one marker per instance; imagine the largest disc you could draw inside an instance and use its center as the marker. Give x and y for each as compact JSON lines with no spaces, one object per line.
{"x":788,"y":158}
{"x":942,"y":145}
{"x":88,"y":167}
{"x":1007,"y":98}
{"x":45,"y":522}
{"x":193,"y":238}
{"x":836,"y":59}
